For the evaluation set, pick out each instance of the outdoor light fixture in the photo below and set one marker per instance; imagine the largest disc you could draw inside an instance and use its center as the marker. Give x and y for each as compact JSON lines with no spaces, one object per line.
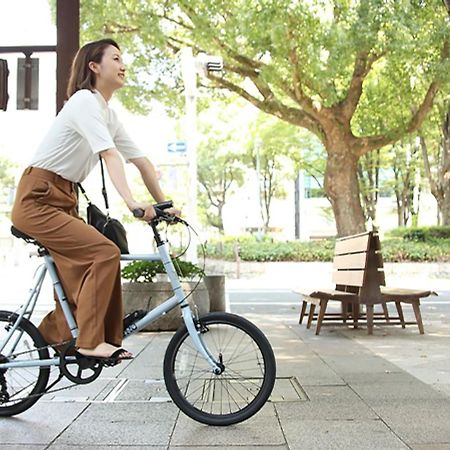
{"x":27,"y":83}
{"x":4,"y":72}
{"x":208,"y":63}
{"x":191,"y":66}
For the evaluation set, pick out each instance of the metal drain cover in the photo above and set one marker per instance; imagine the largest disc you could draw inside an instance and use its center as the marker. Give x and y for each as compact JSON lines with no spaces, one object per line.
{"x":288,"y":389}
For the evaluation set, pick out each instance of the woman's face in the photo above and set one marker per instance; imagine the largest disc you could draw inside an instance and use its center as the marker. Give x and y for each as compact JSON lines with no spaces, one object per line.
{"x":110,"y":72}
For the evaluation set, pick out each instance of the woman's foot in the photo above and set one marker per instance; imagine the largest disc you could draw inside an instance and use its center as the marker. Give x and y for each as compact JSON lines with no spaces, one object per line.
{"x":105,"y":350}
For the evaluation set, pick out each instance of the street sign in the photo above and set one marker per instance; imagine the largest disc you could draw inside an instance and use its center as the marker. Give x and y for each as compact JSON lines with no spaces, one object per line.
{"x":177,"y":147}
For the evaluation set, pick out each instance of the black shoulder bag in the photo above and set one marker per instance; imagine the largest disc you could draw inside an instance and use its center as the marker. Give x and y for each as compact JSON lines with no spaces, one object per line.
{"x":109,"y":227}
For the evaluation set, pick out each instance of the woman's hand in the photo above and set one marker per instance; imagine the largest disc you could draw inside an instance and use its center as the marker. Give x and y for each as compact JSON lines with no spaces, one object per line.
{"x":173,"y":211}
{"x":149,"y":211}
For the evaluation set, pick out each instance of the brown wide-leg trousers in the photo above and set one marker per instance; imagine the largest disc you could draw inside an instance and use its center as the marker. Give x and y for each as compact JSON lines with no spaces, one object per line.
{"x":88,"y":264}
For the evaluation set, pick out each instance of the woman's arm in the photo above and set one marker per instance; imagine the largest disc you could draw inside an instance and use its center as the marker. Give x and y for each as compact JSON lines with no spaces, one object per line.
{"x":116,"y":172}
{"x":148,"y":174}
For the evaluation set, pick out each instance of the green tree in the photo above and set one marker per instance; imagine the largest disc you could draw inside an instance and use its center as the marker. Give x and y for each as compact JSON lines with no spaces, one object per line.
{"x":406,"y":164}
{"x":322,"y":65}
{"x":274,"y":148}
{"x":219,"y":175}
{"x":435,"y":145}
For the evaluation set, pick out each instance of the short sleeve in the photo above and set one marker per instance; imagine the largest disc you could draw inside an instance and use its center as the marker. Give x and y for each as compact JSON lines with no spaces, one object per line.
{"x":86,"y":117}
{"x":124,"y":144}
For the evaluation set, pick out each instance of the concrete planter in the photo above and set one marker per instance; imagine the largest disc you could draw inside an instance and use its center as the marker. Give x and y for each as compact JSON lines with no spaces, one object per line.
{"x":147,"y":296}
{"x":216,"y":290}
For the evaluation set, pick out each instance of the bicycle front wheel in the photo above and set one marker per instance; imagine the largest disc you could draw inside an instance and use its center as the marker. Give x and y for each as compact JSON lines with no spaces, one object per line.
{"x":240,"y":390}
{"x":21,"y":387}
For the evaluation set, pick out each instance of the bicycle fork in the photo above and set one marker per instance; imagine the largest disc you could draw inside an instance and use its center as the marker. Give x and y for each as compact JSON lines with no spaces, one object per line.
{"x":192,"y":324}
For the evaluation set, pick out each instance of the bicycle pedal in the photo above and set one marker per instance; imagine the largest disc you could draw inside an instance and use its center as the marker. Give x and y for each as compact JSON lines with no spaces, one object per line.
{"x":133,"y":317}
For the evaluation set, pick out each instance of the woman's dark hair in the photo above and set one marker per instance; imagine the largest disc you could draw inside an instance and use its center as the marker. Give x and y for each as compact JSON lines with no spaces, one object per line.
{"x":81,"y":76}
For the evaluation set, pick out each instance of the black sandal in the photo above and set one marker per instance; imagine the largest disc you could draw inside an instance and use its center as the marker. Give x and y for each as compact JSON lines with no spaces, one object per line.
{"x":111,"y":360}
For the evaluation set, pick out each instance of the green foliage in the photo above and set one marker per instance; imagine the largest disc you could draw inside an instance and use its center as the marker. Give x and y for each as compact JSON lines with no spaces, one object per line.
{"x":354,"y":73}
{"x":220,"y":170}
{"x":421,"y":234}
{"x":324,"y":36}
{"x":267,"y":250}
{"x":145,"y":271}
{"x":393,"y":249}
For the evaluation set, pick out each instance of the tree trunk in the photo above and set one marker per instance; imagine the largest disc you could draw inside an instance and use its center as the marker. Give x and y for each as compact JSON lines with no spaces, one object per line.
{"x":446,"y":210}
{"x":342,"y":189}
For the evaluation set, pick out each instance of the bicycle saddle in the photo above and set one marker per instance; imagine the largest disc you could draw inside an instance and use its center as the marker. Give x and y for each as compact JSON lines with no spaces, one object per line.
{"x":21,"y":235}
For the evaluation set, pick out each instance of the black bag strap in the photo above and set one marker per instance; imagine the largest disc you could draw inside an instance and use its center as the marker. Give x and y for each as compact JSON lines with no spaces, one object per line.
{"x":104,"y":193}
{"x":84,"y":193}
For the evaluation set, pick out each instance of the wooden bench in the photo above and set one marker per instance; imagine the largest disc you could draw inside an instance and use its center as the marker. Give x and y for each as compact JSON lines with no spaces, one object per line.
{"x":358,"y":274}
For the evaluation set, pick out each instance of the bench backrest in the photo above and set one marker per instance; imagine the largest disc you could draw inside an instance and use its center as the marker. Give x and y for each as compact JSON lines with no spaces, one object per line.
{"x":358,"y":266}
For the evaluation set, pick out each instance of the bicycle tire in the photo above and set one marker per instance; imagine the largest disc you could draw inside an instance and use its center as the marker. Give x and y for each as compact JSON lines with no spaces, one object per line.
{"x":220,"y":399}
{"x":36,"y":378}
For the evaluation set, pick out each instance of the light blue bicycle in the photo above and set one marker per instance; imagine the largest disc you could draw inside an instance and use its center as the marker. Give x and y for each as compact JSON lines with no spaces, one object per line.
{"x":219,"y":369}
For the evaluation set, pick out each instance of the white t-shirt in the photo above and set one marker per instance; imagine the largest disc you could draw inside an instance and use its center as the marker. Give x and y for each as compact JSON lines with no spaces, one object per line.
{"x":85,"y":126}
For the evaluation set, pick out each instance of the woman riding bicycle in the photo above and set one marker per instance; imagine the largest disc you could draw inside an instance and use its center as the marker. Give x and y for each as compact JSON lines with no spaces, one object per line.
{"x":46,"y":202}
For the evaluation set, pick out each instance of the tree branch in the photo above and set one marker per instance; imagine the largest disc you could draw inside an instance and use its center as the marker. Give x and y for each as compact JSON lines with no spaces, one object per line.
{"x":366,"y":144}
{"x":298,"y":94}
{"x":274,"y":107}
{"x":363,"y":65}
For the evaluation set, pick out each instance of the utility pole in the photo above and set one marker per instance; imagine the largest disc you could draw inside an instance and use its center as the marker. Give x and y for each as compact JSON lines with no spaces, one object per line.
{"x":67,"y":44}
{"x":190,"y":66}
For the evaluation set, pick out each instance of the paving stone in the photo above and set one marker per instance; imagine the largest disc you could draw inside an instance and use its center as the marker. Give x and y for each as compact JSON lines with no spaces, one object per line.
{"x":418,"y":421}
{"x":41,"y":424}
{"x":327,"y":402}
{"x":122,"y":424}
{"x":339,"y":434}
{"x":261,"y":429}
{"x":240,"y":447}
{"x":443,"y":446}
{"x":103,"y":446}
{"x":22,"y":447}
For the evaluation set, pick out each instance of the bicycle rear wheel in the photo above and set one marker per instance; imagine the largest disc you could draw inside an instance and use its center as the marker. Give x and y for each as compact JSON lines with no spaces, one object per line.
{"x":20,"y":387}
{"x":240,"y":390}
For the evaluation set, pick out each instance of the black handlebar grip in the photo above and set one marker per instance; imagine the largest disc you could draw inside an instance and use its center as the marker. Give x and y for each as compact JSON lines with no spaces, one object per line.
{"x":138,"y":212}
{"x":163,"y":205}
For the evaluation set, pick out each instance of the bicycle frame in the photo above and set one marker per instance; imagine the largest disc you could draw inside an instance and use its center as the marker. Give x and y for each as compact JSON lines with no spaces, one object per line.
{"x":179,"y":298}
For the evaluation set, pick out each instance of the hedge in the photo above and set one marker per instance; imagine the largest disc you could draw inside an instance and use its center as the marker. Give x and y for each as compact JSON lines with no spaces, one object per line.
{"x":421,"y":234}
{"x":394,"y":250}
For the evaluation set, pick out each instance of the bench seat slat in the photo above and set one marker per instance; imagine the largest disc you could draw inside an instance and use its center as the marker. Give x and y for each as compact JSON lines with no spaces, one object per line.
{"x":349,"y":277}
{"x":353,"y":245}
{"x":404,"y":294}
{"x":333,"y":294}
{"x":352,"y":261}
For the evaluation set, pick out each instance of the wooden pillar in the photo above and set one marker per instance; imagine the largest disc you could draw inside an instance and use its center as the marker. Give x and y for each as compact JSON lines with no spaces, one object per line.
{"x":67,"y":44}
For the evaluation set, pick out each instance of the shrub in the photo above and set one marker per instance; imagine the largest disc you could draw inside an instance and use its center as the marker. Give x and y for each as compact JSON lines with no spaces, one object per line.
{"x":421,"y":234}
{"x":145,"y":271}
{"x":394,"y":250}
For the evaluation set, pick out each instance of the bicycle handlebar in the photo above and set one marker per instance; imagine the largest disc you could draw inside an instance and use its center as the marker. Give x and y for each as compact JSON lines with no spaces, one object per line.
{"x":159,"y":209}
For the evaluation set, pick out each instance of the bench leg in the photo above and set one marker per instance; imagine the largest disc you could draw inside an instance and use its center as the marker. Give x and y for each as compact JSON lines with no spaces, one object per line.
{"x":312,"y":308}
{"x":303,"y":311}
{"x":416,"y":307}
{"x":323,"y":307}
{"x":356,"y":313}
{"x":369,"y":312}
{"x":345,"y":311}
{"x":398,"y":305}
{"x":386,"y":312}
